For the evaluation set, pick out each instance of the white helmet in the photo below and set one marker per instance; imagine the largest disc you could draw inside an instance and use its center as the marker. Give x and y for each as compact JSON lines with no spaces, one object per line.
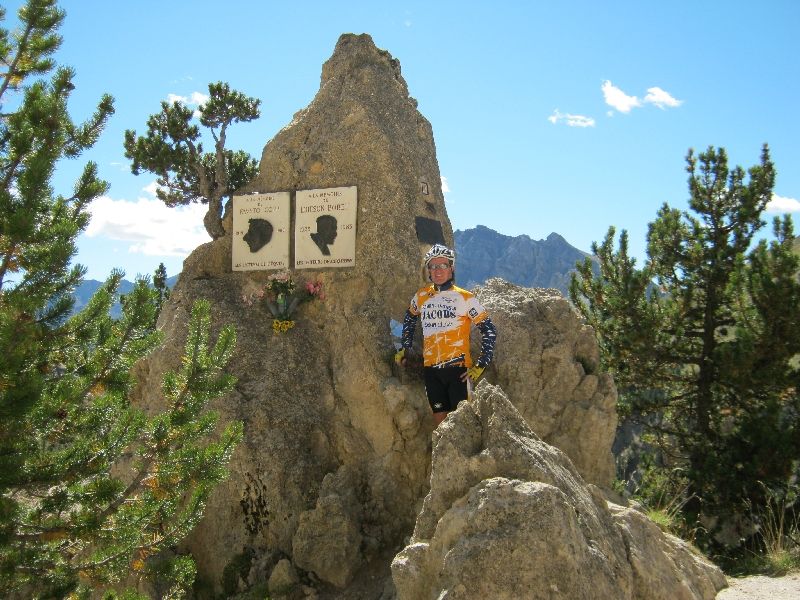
{"x":439,"y":250}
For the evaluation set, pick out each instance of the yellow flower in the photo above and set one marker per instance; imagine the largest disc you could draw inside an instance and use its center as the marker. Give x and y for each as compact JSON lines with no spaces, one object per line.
{"x":280,"y":326}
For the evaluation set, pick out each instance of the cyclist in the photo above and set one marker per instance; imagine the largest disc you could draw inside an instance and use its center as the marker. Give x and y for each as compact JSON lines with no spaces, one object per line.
{"x":447,"y":313}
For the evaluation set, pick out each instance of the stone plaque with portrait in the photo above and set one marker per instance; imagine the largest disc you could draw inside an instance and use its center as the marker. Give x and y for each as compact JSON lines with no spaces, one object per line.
{"x":325,"y":228}
{"x":260,"y":238}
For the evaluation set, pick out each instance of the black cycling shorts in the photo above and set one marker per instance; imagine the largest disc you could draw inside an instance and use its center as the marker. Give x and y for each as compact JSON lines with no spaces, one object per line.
{"x":445,"y":388}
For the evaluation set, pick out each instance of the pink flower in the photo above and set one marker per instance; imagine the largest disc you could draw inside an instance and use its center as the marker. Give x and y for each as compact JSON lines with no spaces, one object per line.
{"x":314,"y":288}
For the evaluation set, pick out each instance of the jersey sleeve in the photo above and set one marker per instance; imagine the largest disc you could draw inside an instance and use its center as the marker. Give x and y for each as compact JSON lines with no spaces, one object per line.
{"x":475,"y":310}
{"x":409,"y":324}
{"x":413,"y":307}
{"x":480,"y":318}
{"x":488,"y":340}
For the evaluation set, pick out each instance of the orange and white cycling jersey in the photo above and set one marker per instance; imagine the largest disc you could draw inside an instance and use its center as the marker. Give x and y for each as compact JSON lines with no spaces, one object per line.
{"x":446,"y":316}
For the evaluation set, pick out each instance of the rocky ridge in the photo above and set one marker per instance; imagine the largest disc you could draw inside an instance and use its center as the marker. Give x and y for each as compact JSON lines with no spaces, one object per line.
{"x":484,"y":253}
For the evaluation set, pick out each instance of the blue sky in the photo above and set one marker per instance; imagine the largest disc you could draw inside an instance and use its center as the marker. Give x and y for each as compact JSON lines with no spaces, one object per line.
{"x":548,"y":116}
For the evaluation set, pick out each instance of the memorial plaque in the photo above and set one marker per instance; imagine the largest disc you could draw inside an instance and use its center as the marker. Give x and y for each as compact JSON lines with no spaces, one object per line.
{"x":429,"y":231}
{"x":261,"y":232}
{"x":325,"y":228}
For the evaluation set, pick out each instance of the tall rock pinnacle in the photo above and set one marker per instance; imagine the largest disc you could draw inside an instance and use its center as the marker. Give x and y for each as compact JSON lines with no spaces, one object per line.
{"x":363,"y":129}
{"x":336,"y":451}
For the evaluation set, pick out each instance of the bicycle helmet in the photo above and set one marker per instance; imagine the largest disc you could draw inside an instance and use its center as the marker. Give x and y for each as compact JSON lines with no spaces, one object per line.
{"x":439,"y":250}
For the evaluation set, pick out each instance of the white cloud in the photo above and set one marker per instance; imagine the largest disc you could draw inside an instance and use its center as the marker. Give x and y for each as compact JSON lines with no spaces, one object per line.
{"x":622,"y":102}
{"x":570,"y":119}
{"x":445,"y":187}
{"x":149,"y":225}
{"x":661,"y":98}
{"x":150,"y":189}
{"x":618,"y":99}
{"x":198,"y":98}
{"x":779,"y":204}
{"x":194,"y":99}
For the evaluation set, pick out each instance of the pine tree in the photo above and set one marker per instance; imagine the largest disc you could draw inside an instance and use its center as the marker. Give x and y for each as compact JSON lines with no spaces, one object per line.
{"x":172,"y":150}
{"x":160,"y":285}
{"x":66,"y":423}
{"x":702,"y":341}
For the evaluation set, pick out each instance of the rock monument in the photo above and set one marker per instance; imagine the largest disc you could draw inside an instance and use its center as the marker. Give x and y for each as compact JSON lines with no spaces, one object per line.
{"x":335,"y":467}
{"x":334,"y":462}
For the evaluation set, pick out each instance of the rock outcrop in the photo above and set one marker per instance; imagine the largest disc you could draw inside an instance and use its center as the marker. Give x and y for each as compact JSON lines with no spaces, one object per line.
{"x":334,"y":466}
{"x":508,"y":516}
{"x":548,"y":365}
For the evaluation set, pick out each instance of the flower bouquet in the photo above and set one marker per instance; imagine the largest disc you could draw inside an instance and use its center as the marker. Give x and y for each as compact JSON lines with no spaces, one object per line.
{"x":282,"y":297}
